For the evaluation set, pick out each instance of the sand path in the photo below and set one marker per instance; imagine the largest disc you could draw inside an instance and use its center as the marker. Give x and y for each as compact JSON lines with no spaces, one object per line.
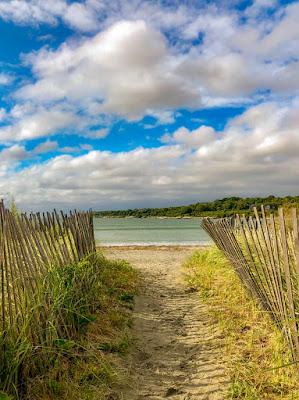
{"x":177,"y":352}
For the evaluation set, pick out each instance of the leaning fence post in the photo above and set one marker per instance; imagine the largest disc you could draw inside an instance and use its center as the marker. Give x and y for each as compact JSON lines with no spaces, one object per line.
{"x":296,"y":240}
{"x":286,"y":265}
{"x":3,"y":307}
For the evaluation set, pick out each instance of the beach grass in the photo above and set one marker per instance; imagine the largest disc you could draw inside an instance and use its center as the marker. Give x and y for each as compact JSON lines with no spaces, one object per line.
{"x":84,"y":336}
{"x":258,"y":365}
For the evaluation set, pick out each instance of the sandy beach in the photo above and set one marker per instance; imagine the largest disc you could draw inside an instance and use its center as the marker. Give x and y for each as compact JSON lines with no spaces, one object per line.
{"x":111,"y":249}
{"x":177,"y":348}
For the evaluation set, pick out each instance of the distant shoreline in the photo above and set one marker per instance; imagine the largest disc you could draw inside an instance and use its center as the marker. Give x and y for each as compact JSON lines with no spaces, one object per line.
{"x":156,"y":246}
{"x":143,"y":217}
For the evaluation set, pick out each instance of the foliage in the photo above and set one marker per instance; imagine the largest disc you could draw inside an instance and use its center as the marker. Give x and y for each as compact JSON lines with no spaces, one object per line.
{"x":218,"y":208}
{"x":254,"y":349}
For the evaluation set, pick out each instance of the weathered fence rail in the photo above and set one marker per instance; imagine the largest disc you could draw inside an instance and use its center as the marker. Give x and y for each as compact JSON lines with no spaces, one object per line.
{"x":264,"y":252}
{"x":29,"y":246}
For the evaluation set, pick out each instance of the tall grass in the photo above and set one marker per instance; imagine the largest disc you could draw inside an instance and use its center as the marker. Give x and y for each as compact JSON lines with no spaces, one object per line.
{"x":255,"y":352}
{"x":41,"y":358}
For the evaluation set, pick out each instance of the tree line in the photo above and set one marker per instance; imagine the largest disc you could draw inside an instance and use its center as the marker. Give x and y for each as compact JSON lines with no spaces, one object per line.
{"x":217,"y":208}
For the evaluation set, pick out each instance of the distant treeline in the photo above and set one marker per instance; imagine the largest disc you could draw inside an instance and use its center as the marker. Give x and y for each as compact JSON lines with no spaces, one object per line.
{"x":217,"y":208}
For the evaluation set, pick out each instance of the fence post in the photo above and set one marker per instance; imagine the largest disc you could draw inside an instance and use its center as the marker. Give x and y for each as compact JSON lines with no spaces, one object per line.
{"x":296,"y":239}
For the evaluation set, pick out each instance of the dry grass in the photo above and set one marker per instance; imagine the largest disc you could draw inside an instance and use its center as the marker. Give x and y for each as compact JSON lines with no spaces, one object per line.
{"x":254,"y":347}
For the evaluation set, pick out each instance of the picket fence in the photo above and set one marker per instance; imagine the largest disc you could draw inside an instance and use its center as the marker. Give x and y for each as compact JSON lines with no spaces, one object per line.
{"x":29,"y":245}
{"x":264,"y":251}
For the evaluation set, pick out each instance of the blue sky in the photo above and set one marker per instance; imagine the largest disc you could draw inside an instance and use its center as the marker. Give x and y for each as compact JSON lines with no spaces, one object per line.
{"x":147,"y":103}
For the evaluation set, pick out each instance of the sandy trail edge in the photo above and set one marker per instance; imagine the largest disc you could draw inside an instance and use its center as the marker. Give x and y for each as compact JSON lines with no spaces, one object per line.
{"x":177,"y":352}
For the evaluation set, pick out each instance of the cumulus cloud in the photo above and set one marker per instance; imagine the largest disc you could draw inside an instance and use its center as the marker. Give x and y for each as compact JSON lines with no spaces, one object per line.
{"x":191,"y":139}
{"x":127,"y":69}
{"x":239,"y":58}
{"x":149,"y":58}
{"x":252,"y":155}
{"x":10,"y":157}
{"x":41,"y":123}
{"x":130,"y":69}
{"x":81,"y":17}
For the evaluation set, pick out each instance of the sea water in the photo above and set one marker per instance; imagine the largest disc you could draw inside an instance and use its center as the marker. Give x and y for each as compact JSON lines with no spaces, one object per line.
{"x":149,"y":231}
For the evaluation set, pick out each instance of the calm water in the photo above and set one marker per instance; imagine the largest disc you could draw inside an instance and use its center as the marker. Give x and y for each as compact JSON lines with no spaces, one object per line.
{"x":149,"y":231}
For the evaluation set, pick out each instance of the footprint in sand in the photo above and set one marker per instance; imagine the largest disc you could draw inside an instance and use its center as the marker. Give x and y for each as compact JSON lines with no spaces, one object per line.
{"x":178,"y":349}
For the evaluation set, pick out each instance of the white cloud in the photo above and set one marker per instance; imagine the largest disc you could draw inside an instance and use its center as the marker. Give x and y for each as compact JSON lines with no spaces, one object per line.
{"x":254,"y":154}
{"x":13,"y":153}
{"x":282,"y":40}
{"x":41,"y":123}
{"x":127,"y":68}
{"x":146,"y":58}
{"x":87,"y":147}
{"x":237,"y":57}
{"x":2,"y":114}
{"x":45,"y":147}
{"x":91,"y":14}
{"x":98,"y":134}
{"x":5,"y":79}
{"x":32,"y":11}
{"x":163,"y":117}
{"x":191,"y":139}
{"x":130,"y":69}
{"x":259,"y":6}
{"x":10,"y":157}
{"x":80,"y":17}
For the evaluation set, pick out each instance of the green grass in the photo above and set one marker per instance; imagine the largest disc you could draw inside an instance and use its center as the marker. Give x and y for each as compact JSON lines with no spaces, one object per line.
{"x":255,"y":351}
{"x":75,"y":334}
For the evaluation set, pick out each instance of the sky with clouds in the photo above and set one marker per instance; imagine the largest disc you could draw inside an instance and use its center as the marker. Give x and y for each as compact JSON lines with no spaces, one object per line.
{"x":133,"y":103}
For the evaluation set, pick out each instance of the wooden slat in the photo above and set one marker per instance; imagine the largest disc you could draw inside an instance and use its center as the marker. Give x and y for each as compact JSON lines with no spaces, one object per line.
{"x":267,"y":262}
{"x":29,"y":246}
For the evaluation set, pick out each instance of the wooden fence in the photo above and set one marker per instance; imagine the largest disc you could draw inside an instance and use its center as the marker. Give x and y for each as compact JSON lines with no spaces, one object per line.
{"x":264,"y":251}
{"x":29,"y":246}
